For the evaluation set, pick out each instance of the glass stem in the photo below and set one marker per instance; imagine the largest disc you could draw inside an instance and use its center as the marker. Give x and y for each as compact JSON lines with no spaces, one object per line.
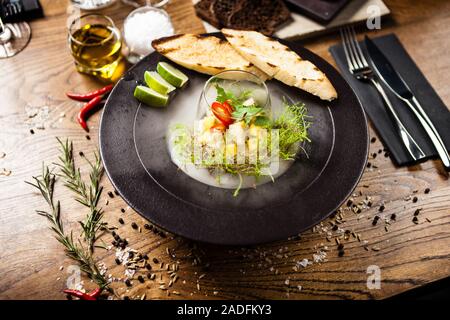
{"x":2,"y":27}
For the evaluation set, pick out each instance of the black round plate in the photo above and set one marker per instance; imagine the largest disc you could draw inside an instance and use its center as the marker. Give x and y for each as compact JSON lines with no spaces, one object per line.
{"x":136,"y":159}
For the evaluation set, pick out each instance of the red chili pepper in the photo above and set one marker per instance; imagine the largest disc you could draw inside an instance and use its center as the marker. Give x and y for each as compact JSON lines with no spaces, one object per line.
{"x":91,"y":296}
{"x":228,"y":106}
{"x":222,"y":113}
{"x":91,"y":95}
{"x":82,"y":114}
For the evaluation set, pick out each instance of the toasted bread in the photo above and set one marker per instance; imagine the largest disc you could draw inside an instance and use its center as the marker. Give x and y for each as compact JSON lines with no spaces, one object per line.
{"x":280,"y":62}
{"x":204,"y":54}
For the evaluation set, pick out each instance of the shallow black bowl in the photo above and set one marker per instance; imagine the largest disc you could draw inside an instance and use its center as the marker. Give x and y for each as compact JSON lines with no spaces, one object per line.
{"x":134,"y":152}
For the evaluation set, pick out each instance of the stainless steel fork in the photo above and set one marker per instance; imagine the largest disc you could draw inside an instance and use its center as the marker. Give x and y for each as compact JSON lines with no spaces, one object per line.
{"x":361,"y":70}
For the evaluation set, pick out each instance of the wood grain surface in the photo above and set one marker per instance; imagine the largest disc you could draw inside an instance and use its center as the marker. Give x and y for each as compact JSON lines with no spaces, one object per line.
{"x":33,"y":264}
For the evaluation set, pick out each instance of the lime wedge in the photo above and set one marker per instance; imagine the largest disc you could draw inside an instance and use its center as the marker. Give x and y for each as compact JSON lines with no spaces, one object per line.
{"x":150,"y":96}
{"x":157,"y":83}
{"x":171,"y":74}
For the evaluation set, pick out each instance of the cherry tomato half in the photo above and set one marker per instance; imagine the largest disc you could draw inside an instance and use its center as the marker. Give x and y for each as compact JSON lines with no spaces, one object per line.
{"x":219,"y":126}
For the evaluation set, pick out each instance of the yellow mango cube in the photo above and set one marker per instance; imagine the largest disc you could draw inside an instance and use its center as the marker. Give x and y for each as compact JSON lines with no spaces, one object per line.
{"x":252,"y":147}
{"x":208,"y":123}
{"x":254,"y":130}
{"x":231,"y":149}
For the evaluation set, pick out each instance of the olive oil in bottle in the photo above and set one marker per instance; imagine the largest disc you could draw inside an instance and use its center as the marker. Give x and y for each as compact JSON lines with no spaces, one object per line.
{"x":96,"y":49}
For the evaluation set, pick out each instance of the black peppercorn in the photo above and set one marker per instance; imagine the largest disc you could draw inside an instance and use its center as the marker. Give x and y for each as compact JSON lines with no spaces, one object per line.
{"x":375,"y":220}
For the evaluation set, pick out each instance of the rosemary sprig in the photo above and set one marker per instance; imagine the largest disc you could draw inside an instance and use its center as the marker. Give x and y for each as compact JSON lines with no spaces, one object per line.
{"x":87,"y":196}
{"x":45,"y":183}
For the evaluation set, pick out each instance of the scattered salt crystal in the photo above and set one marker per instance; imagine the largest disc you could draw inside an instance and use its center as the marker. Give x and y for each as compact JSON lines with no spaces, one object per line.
{"x":141,"y":28}
{"x":304,"y":263}
{"x":37,"y":116}
{"x":102,"y":268}
{"x":129,"y":273}
{"x":320,"y":256}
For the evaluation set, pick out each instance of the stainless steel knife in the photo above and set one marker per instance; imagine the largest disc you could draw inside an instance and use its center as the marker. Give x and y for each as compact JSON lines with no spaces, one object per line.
{"x":398,"y":86}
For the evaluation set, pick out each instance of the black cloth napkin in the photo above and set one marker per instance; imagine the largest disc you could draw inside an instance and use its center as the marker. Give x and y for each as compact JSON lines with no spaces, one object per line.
{"x":374,"y":107}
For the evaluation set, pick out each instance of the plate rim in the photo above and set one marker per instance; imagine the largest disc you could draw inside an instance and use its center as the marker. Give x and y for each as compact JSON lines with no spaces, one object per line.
{"x":323,"y":217}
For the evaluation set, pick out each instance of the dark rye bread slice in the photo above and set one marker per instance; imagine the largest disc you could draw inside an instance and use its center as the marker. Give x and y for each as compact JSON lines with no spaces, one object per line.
{"x":205,"y":10}
{"x":223,"y":9}
{"x":259,"y":15}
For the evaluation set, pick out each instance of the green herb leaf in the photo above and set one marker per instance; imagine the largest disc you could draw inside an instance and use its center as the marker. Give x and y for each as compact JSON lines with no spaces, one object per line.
{"x":262,"y":121}
{"x":223,"y":95}
{"x":246,"y":114}
{"x":45,"y":183}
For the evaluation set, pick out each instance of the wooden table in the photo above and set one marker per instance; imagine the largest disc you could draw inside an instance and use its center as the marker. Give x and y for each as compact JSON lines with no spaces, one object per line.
{"x":33,"y":265}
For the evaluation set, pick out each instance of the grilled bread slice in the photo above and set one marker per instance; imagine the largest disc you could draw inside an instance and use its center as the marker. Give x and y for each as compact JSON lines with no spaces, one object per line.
{"x":280,"y":62}
{"x":204,"y":54}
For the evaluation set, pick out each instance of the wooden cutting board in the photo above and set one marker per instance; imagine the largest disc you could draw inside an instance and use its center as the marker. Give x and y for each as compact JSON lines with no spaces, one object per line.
{"x":356,"y":11}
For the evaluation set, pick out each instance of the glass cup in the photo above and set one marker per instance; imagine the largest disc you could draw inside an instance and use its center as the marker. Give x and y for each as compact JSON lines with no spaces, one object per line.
{"x":95,"y":44}
{"x":92,"y":4}
{"x":139,"y":31}
{"x":237,"y":82}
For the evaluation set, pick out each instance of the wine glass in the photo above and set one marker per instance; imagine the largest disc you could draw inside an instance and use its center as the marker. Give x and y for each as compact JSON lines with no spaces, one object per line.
{"x":14,"y":37}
